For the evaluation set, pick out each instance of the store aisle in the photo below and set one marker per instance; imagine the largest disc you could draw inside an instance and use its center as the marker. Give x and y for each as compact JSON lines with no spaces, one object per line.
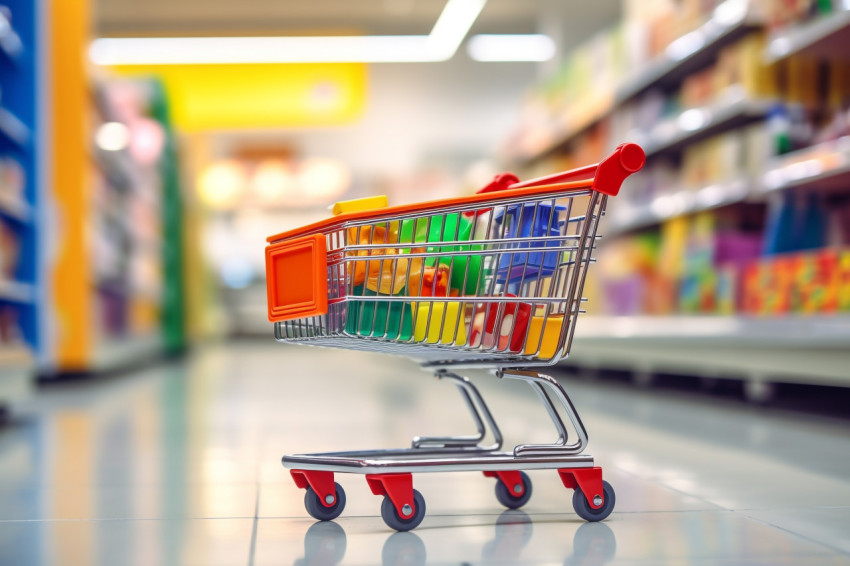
{"x":180,"y":464}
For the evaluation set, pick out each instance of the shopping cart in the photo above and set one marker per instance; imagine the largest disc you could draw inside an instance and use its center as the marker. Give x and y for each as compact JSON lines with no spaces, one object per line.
{"x":492,"y":280}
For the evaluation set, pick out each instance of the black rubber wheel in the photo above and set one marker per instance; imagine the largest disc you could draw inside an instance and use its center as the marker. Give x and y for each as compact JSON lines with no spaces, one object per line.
{"x":506,"y":496}
{"x":319,"y":511}
{"x":394,"y":521}
{"x":588,"y":513}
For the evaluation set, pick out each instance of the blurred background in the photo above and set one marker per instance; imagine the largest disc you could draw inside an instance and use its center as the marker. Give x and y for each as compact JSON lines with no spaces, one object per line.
{"x":148,"y":148}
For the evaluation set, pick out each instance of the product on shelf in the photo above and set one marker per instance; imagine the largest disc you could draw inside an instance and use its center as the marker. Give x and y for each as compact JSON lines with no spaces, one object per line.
{"x":782,"y":14}
{"x":10,"y":248}
{"x":12,"y":180}
{"x":805,"y":283}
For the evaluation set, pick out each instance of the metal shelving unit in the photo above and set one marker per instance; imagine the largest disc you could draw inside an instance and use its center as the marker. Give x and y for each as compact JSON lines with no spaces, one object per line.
{"x":13,"y":128}
{"x":696,"y":124}
{"x":625,"y":218}
{"x":823,"y":167}
{"x":19,"y":142}
{"x":688,"y":53}
{"x":826,"y":36}
{"x":795,"y":349}
{"x":759,"y":351}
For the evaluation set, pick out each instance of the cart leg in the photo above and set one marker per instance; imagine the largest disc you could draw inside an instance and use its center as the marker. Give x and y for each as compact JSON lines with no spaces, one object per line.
{"x":477,"y":407}
{"x":403,"y":507}
{"x":321,"y":482}
{"x":547,"y":388}
{"x":324,"y":499}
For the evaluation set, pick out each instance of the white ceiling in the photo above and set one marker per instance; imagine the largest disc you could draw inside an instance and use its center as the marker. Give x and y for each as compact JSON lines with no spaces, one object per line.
{"x":577,"y":19}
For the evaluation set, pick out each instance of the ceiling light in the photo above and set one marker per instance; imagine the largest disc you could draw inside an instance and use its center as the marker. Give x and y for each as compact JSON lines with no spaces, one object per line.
{"x":112,"y":136}
{"x":507,"y":47}
{"x":231,"y":50}
{"x":272,"y":182}
{"x":221,"y":184}
{"x":442,"y":43}
{"x":452,"y":26}
{"x":323,"y":179}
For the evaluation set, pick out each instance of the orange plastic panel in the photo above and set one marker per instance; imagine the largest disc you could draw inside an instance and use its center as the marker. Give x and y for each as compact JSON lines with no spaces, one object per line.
{"x":297,"y":278}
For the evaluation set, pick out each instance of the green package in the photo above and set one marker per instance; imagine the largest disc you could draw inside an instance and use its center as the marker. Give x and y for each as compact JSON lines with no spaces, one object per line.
{"x":382,"y":319}
{"x":447,"y":227}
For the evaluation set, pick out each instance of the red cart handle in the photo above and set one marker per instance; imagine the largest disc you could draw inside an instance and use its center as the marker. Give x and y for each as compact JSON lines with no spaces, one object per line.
{"x":608,"y":175}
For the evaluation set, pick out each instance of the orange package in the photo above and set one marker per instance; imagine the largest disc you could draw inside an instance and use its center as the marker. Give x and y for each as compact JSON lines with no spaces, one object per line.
{"x":385,"y":276}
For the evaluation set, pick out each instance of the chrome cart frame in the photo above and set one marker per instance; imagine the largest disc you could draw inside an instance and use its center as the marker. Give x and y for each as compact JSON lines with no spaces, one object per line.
{"x":489,"y":281}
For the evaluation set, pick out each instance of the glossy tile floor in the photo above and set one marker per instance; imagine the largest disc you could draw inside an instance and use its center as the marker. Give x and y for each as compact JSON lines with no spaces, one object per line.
{"x":180,"y":464}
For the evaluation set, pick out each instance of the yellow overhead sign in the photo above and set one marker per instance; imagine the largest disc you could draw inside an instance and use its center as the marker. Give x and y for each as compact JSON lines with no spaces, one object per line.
{"x":226,"y":97}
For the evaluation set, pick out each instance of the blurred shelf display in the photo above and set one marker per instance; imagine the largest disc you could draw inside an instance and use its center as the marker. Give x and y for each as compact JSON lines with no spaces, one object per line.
{"x":823,"y":166}
{"x":696,"y":124}
{"x":632,"y":217}
{"x":734,"y":241}
{"x":10,"y":42}
{"x":816,"y":331}
{"x":792,"y":350}
{"x":16,"y":292}
{"x":13,"y":128}
{"x":728,"y":22}
{"x":826,"y":36}
{"x":21,"y":176}
{"x":692,"y":51}
{"x":118,"y":208}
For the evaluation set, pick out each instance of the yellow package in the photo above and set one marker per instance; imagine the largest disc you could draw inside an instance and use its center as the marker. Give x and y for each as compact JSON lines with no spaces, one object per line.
{"x":360,"y":204}
{"x":449,"y":316}
{"x":551,"y":332}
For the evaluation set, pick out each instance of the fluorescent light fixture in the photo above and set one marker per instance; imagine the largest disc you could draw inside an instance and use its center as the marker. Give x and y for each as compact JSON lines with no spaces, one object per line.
{"x":452,"y":26}
{"x":440,"y":45}
{"x":508,"y":47}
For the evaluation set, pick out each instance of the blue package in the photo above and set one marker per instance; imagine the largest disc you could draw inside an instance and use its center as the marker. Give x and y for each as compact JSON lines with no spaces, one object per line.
{"x":529,"y":220}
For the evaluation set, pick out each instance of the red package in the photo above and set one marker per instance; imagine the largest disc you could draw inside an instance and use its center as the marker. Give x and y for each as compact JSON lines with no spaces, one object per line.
{"x":493,"y":323}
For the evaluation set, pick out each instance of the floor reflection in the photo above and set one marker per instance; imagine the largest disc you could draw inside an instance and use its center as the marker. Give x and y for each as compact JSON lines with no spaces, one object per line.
{"x":594,"y":544}
{"x":325,"y":544}
{"x":405,"y":549}
{"x":513,"y":531}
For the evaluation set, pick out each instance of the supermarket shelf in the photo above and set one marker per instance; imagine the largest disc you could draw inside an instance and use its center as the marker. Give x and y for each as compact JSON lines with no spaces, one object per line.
{"x":10,"y":42}
{"x":695,"y":124}
{"x":824,"y":37}
{"x":12,"y":128}
{"x":813,"y":350}
{"x":822,"y":331}
{"x":624,"y":218}
{"x":824,"y":166}
{"x":15,"y":291}
{"x":691,"y":52}
{"x":682,"y":57}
